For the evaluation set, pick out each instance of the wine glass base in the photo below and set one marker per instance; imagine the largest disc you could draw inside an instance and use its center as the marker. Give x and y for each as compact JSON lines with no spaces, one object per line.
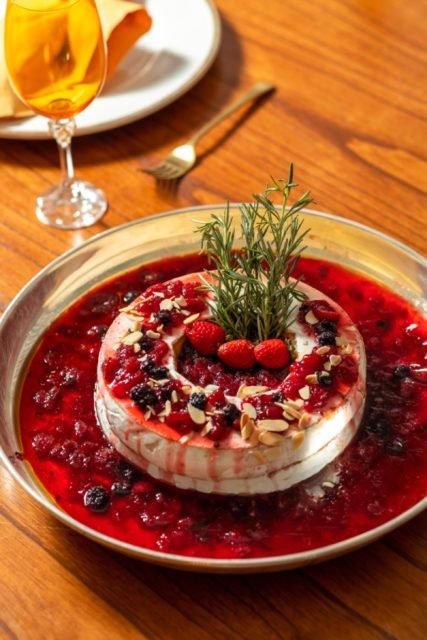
{"x":71,"y":205}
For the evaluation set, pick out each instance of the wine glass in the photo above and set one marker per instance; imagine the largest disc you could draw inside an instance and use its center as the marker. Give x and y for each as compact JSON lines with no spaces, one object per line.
{"x":55,"y":56}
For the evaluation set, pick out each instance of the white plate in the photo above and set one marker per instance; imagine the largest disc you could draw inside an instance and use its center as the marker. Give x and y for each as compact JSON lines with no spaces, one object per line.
{"x":163,"y":64}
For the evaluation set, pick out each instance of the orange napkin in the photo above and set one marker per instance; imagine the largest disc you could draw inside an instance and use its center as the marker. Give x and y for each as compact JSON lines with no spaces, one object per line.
{"x":123,"y":22}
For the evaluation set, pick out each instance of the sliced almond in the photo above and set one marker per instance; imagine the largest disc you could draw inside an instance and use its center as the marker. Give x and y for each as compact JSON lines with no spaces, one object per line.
{"x":197,"y":415}
{"x":298,"y":439}
{"x":310,"y":318}
{"x":347,"y":349}
{"x":269,"y":438}
{"x":327,"y":366}
{"x":181,"y":301}
{"x":137,"y":347}
{"x":247,"y":430}
{"x":304,"y":392}
{"x":166,"y":411}
{"x":335,"y":360}
{"x":136,"y":325}
{"x":250,"y":390}
{"x":166,"y":305}
{"x":132,"y":338}
{"x":304,"y":421}
{"x":322,"y":351}
{"x":159,"y":294}
{"x":186,"y":437}
{"x":249,"y":409}
{"x":311,"y":379}
{"x":152,"y":334}
{"x":190,"y":319}
{"x":273,"y":425}
{"x":340,"y":341}
{"x":291,"y":412}
{"x":206,"y":429}
{"x":253,"y":440}
{"x":174,"y":396}
{"x":186,"y":389}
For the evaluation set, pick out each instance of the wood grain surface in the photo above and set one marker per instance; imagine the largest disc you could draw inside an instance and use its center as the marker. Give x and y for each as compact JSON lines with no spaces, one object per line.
{"x":350,"y":111}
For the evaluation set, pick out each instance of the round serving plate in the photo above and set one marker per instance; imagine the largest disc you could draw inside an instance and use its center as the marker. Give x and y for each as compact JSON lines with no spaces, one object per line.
{"x":62,"y":282}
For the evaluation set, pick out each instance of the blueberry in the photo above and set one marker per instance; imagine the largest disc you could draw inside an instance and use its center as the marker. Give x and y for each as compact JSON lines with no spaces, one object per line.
{"x":159,"y":373}
{"x":325,"y":325}
{"x":130,"y":296}
{"x":383,"y":324}
{"x":96,"y":499}
{"x":401,"y":371}
{"x":143,"y":396}
{"x":146,"y":344}
{"x":324,"y":378}
{"x":395,"y":447}
{"x":163,"y":316}
{"x":230,"y":412}
{"x":377,"y":427}
{"x":121,"y":489}
{"x":198,"y":400}
{"x":326,"y":338}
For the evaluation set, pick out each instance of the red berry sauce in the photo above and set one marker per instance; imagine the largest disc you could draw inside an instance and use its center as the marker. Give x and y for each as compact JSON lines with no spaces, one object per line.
{"x":381,"y":473}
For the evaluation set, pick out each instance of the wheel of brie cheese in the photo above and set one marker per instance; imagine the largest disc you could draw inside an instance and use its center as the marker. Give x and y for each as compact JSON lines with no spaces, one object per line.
{"x":189,"y":420}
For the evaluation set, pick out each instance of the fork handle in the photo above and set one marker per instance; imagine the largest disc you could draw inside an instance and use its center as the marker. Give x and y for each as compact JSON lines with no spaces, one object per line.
{"x":258,"y":89}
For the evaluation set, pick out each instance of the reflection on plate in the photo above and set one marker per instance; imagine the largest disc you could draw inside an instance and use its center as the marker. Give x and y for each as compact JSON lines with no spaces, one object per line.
{"x":164,"y":64}
{"x":65,"y":280}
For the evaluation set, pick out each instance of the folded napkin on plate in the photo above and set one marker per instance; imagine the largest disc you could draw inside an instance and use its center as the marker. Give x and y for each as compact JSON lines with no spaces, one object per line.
{"x":123,"y":23}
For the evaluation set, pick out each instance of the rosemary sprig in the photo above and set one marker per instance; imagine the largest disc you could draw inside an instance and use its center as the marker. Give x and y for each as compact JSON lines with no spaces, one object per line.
{"x":253,"y":292}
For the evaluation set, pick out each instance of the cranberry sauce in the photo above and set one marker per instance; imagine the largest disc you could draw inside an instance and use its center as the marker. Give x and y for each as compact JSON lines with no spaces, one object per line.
{"x":380,"y":474}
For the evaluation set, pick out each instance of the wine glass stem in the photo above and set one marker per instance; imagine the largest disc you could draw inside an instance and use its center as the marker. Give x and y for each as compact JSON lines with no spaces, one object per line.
{"x":62,"y":131}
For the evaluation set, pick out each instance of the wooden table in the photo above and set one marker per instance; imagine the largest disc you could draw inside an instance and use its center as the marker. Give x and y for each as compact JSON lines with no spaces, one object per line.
{"x":351,"y":112}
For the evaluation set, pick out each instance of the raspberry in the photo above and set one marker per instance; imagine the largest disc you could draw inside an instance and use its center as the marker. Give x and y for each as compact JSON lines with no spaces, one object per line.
{"x":272,"y":354}
{"x":237,"y":354}
{"x":205,"y":336}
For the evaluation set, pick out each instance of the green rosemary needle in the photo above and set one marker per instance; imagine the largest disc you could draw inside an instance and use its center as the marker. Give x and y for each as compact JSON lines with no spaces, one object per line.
{"x":253,"y":292}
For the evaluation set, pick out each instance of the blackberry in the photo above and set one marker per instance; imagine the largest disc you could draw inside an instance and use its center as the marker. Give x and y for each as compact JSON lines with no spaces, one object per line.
{"x":159,"y":373}
{"x":325,"y":325}
{"x":277,"y":396}
{"x":401,"y":371}
{"x":121,"y":489}
{"x":198,"y":400}
{"x":230,"y":412}
{"x":130,"y":296}
{"x":324,"y":378}
{"x":326,"y":338}
{"x":143,"y":396}
{"x":96,"y":499}
{"x":163,"y":316}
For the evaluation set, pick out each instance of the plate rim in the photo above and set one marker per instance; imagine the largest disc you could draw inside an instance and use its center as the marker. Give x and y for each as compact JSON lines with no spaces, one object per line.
{"x":200,"y":563}
{"x":134,"y":116}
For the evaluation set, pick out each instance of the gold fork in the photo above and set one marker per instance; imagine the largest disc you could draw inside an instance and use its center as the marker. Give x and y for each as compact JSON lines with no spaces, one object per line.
{"x":182,"y":158}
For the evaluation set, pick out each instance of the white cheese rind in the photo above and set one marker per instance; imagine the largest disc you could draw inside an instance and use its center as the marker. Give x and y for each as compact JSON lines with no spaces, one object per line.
{"x":235,"y":467}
